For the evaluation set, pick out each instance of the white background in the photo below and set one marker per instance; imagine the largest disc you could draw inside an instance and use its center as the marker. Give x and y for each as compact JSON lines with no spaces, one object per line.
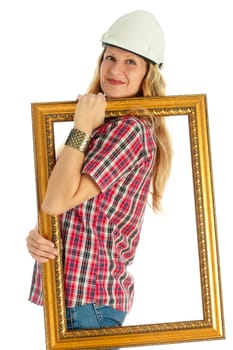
{"x":48,"y":53}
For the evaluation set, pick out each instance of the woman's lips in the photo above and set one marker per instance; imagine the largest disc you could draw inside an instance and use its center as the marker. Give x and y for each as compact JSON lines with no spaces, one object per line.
{"x":115,"y":82}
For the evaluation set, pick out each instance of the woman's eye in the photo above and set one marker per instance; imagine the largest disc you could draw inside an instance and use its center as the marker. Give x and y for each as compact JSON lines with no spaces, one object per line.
{"x":130,"y":61}
{"x":109,"y":58}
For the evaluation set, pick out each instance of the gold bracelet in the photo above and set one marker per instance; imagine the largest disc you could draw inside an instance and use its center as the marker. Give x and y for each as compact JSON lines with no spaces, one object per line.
{"x":78,"y":139}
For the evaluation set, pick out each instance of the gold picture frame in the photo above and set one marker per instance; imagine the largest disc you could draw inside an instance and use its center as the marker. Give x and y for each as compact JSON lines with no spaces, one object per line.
{"x":211,"y":327}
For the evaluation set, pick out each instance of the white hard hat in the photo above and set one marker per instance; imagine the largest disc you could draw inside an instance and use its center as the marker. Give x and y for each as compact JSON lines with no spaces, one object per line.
{"x":138,"y":32}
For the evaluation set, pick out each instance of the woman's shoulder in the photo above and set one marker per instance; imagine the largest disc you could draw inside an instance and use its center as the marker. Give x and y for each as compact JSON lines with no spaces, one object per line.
{"x":127,"y":130}
{"x":125,"y":127}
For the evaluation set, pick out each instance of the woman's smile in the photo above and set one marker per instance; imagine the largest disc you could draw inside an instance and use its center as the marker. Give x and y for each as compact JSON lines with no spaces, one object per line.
{"x":115,"y":81}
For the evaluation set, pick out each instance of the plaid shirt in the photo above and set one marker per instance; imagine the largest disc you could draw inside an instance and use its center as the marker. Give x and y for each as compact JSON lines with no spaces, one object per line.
{"x":100,"y":235}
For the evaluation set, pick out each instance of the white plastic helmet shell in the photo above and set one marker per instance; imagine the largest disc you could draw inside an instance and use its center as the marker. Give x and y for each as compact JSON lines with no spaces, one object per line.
{"x":140,"y":33}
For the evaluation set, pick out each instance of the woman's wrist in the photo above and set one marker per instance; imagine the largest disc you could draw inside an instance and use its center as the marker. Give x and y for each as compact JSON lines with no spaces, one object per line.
{"x":88,"y":129}
{"x":78,"y":139}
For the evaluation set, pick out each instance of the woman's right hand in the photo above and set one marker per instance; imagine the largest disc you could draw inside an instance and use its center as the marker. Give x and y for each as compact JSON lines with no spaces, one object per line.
{"x":90,"y":112}
{"x":40,"y":248}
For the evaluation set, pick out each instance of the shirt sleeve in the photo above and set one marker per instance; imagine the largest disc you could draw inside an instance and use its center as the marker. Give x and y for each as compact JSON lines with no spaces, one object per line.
{"x":114,"y":152}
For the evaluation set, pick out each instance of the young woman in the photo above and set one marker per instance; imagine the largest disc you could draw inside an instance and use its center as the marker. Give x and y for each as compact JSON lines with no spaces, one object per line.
{"x":100,"y":183}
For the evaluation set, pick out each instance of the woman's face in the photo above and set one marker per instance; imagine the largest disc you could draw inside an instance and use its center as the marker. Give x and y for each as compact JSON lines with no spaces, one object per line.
{"x":121,"y":73}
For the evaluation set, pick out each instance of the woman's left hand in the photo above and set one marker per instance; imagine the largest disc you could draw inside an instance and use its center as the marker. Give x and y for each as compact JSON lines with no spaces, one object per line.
{"x":40,"y":248}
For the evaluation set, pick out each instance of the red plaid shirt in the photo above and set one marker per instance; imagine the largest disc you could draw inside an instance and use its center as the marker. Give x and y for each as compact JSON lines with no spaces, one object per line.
{"x":100,"y":236}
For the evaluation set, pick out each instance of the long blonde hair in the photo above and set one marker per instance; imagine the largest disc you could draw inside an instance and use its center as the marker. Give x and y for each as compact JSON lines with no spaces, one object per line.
{"x":153,"y":84}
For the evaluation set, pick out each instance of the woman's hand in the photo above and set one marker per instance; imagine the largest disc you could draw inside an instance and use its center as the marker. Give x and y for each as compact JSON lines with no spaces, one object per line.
{"x":40,"y":248}
{"x":90,"y":112}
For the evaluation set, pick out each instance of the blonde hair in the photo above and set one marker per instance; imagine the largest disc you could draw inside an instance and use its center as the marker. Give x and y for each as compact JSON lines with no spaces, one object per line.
{"x":152,"y":85}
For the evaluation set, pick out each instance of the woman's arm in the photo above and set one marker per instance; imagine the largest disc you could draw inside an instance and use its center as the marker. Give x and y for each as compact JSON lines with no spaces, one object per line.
{"x":67,"y":187}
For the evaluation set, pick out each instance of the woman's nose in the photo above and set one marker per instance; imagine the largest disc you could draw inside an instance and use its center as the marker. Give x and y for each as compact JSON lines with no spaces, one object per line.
{"x":116,"y":68}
